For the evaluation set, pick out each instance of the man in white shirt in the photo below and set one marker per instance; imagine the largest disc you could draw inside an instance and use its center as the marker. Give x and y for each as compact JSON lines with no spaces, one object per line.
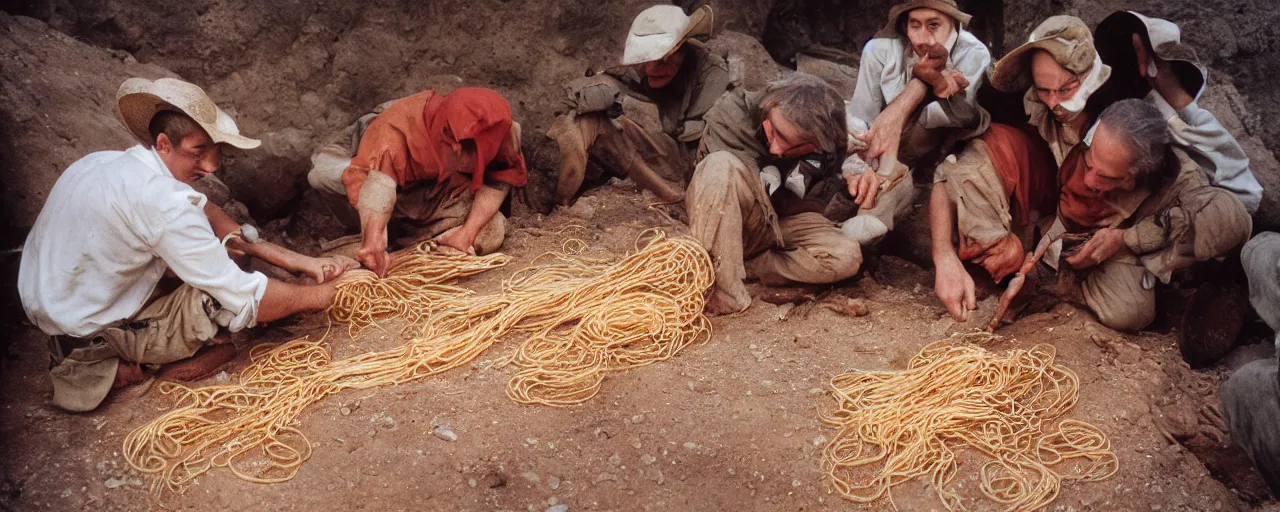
{"x":916,"y":96}
{"x":114,"y":224}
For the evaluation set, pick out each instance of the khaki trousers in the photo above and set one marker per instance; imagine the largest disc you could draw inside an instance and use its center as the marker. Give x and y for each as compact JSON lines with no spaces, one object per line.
{"x":170,"y":328}
{"x":622,"y":147}
{"x":730,"y":214}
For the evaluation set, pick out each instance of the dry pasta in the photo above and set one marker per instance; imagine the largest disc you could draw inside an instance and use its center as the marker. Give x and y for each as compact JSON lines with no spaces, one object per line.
{"x":897,"y":426}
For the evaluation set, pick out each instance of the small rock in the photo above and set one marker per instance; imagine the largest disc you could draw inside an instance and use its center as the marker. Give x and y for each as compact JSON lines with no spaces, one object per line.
{"x":820,"y":440}
{"x":648,"y":459}
{"x":346,"y":411}
{"x":690,"y":445}
{"x":796,"y":483}
{"x":222,"y":377}
{"x":615,"y":459}
{"x":388,"y":422}
{"x":1128,"y":352}
{"x":553,"y":482}
{"x":471,"y":482}
{"x":445,"y":433}
{"x":558,"y":508}
{"x":115,"y":483}
{"x":531,"y":477}
{"x":603,"y":477}
{"x":637,"y":418}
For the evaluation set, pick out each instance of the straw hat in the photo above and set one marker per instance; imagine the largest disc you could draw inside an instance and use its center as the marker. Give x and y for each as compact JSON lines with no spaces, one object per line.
{"x":659,"y":30}
{"x":139,"y":99}
{"x":1115,"y":44}
{"x":948,"y":7}
{"x":1066,"y":38}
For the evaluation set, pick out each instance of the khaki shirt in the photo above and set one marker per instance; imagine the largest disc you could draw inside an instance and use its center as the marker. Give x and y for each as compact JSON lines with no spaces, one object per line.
{"x":702,"y":79}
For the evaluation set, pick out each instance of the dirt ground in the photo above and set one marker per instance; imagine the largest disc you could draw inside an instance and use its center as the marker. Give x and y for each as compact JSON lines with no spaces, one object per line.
{"x":728,"y":425}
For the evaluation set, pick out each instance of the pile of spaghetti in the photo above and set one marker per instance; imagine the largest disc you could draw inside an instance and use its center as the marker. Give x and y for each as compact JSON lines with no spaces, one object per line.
{"x":899,"y":426}
{"x":586,"y":317}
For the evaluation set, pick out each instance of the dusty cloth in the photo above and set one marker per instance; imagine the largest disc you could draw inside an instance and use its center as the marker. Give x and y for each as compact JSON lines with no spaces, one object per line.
{"x":702,"y":79}
{"x":1002,"y":183}
{"x":885,"y":70}
{"x":1181,"y":222}
{"x":169,"y":329}
{"x":1251,"y":396}
{"x":422,"y":211}
{"x":457,"y":141}
{"x":731,"y":215}
{"x":113,"y":224}
{"x":621,"y":147}
{"x":1193,"y":127}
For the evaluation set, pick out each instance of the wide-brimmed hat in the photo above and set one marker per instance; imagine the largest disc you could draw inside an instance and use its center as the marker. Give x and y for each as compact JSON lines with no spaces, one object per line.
{"x":894,"y":27}
{"x":1066,"y":38}
{"x":660,"y":29}
{"x":1115,"y":44}
{"x":139,"y":99}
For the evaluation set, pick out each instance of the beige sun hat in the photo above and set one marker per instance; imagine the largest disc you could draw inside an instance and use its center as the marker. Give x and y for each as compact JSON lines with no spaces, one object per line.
{"x":894,"y":27}
{"x":139,"y":99}
{"x":660,"y":29}
{"x":1066,"y":38}
{"x":1115,"y":44}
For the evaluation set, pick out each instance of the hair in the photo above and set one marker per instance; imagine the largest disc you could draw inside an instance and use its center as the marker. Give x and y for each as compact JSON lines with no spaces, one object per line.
{"x":174,"y":125}
{"x":1146,"y":133}
{"x":813,"y":106}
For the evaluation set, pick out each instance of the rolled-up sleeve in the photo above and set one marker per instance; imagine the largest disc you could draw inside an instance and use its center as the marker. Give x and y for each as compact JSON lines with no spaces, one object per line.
{"x":187,"y":244}
{"x":1213,"y":148}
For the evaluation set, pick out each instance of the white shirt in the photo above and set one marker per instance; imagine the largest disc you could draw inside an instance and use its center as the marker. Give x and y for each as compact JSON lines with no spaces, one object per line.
{"x":886,"y":68}
{"x":114,"y":221}
{"x":1212,"y":147}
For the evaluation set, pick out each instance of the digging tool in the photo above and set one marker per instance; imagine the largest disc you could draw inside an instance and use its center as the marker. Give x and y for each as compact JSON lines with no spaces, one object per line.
{"x":1015,"y":285}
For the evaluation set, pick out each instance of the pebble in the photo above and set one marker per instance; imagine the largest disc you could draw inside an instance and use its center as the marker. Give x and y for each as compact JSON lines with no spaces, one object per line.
{"x":222,"y":377}
{"x":648,"y":459}
{"x":818,"y":441}
{"x":115,"y":483}
{"x":603,"y":477}
{"x":445,"y":433}
{"x":553,"y":482}
{"x":531,"y":476}
{"x":471,"y":482}
{"x":637,"y":418}
{"x":558,"y":508}
{"x":346,"y":411}
{"x":615,"y":459}
{"x":1128,"y":352}
{"x":690,"y":445}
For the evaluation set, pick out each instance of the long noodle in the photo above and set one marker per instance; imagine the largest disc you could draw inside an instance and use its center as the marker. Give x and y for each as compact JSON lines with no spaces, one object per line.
{"x":251,"y":427}
{"x":899,"y":426}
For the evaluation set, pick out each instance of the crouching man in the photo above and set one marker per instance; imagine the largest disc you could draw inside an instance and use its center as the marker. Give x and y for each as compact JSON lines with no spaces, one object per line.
{"x":665,"y":62}
{"x":425,"y":166}
{"x":746,"y":212}
{"x":116,"y":222}
{"x":916,"y":97}
{"x":1139,"y":208}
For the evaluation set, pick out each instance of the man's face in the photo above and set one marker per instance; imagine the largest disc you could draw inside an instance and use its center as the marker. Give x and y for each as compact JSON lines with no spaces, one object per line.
{"x":191,"y":158}
{"x":660,"y":73}
{"x":1108,"y":163}
{"x":927,"y":28}
{"x":786,"y":140}
{"x":1054,"y":84}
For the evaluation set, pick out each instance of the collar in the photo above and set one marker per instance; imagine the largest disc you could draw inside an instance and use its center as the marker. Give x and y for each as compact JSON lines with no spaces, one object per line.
{"x":151,"y":158}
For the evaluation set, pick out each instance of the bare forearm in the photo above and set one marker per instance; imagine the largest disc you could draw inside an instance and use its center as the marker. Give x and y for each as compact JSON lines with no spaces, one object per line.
{"x":911,"y":97}
{"x":269,"y":252}
{"x":941,"y":224}
{"x":282,"y":299}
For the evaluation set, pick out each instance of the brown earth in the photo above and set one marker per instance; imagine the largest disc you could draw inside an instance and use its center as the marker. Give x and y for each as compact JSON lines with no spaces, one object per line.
{"x":748,"y":401}
{"x":732,"y":424}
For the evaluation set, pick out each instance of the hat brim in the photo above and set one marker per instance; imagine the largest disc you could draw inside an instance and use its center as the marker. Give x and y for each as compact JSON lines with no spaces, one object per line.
{"x":701,"y":23}
{"x":896,"y":12}
{"x":1011,"y":72}
{"x":137,"y":105}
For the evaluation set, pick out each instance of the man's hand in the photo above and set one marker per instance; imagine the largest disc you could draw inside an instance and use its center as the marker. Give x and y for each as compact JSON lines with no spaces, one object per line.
{"x":864,"y":187}
{"x":373,"y":252}
{"x":325,"y":269}
{"x":1105,"y":244}
{"x":458,"y":238}
{"x":954,"y":287}
{"x":1003,"y":257}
